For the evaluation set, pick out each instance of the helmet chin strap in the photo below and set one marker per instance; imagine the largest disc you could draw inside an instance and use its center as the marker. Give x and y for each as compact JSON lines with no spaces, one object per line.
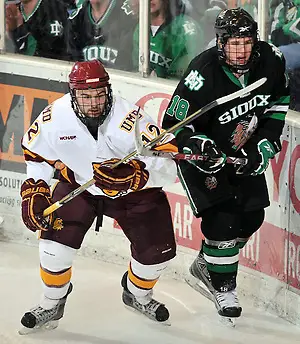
{"x":237,"y":69}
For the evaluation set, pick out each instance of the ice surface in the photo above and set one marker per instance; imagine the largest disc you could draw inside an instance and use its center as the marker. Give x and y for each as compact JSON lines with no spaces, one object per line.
{"x":95,"y":313}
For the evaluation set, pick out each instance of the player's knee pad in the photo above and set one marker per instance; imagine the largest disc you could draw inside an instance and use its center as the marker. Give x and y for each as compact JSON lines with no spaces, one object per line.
{"x":219,"y":224}
{"x":71,"y":235}
{"x":251,"y":222}
{"x":156,"y":254}
{"x":55,"y":267}
{"x":142,"y":278}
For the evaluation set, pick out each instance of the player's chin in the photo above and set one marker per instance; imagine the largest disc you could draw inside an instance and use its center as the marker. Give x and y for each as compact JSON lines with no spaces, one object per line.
{"x":239,"y":62}
{"x":93,"y":114}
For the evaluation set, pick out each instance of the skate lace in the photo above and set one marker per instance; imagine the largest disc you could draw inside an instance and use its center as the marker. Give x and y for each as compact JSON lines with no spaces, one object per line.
{"x":43,"y":315}
{"x":227,"y":299}
{"x":152,"y":306}
{"x":149,"y":307}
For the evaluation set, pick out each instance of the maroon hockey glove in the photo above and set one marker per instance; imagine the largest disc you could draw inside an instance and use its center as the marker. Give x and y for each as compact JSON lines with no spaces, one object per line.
{"x":35,"y":199}
{"x":131,"y":176}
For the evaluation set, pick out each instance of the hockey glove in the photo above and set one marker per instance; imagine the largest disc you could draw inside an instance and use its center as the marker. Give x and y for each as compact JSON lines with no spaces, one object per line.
{"x":132,"y":175}
{"x":201,"y":144}
{"x":258,"y":154}
{"x":35,"y":199}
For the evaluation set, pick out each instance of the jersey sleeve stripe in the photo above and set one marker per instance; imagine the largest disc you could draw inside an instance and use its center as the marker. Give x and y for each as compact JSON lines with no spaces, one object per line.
{"x":278,"y":108}
{"x":276,"y":115}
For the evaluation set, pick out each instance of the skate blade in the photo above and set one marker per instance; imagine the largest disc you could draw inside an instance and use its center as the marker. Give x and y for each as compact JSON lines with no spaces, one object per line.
{"x":51,"y":325}
{"x":133,"y":310}
{"x":199,"y":287}
{"x":228,"y":322}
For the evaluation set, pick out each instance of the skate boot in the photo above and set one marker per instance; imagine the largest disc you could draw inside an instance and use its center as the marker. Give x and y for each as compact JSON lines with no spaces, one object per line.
{"x":146,"y":305}
{"x":39,"y":318}
{"x":201,"y":280}
{"x":227,"y":303}
{"x":228,"y":306}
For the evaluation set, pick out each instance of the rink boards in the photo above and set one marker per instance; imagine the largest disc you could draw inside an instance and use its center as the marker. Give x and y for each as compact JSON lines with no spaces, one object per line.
{"x":271,"y":260}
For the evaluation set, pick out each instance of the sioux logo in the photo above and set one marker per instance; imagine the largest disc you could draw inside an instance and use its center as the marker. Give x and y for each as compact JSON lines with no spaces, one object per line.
{"x":105,"y":54}
{"x":242,"y":109}
{"x":160,"y":60}
{"x":64,"y":138}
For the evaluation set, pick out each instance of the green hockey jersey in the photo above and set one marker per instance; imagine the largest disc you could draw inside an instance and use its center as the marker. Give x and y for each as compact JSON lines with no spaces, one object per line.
{"x":172,"y":47}
{"x":285,"y":28}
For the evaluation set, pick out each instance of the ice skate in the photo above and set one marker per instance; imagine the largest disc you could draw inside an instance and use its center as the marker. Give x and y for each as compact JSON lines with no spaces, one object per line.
{"x":227,"y":303}
{"x":153,"y":309}
{"x":228,"y":306}
{"x":199,"y":279}
{"x":40,"y":319}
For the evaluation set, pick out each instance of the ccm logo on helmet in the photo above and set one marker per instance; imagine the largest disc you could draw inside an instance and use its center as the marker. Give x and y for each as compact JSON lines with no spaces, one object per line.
{"x":92,"y":80}
{"x":242,"y":109}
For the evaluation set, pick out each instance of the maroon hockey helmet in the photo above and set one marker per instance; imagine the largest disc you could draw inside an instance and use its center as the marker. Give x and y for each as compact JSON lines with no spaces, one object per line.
{"x":87,"y":75}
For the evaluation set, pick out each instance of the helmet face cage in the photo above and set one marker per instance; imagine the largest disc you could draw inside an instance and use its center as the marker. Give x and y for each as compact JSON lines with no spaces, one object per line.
{"x":90,"y":75}
{"x":236,"y":23}
{"x":81,"y":110}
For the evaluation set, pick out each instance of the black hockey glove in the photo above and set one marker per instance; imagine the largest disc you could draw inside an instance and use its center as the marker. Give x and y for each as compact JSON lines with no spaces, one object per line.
{"x":201,"y":144}
{"x":258,"y":152}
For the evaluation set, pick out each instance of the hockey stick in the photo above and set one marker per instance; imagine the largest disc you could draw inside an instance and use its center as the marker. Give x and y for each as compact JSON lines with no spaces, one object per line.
{"x":238,"y":94}
{"x":183,"y":156}
{"x":193,"y":116}
{"x":144,"y":151}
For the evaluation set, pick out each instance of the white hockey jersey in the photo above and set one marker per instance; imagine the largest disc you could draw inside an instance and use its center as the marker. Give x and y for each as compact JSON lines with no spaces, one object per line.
{"x":59,"y":135}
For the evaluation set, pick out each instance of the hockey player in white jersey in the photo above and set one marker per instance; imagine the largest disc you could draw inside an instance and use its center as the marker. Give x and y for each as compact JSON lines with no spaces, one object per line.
{"x":82,"y":134}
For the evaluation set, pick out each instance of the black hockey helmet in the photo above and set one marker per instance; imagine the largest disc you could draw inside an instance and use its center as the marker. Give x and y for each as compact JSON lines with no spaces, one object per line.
{"x":236,"y":23}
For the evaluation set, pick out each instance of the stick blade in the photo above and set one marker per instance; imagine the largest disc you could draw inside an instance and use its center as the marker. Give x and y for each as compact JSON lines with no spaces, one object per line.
{"x":242,"y":92}
{"x":137,"y":135}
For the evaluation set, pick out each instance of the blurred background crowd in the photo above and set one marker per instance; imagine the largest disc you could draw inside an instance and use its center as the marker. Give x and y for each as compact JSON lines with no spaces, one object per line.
{"x":108,"y":30}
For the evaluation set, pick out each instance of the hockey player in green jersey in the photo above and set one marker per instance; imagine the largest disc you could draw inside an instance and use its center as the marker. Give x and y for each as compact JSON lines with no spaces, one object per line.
{"x":229,"y":199}
{"x":174,"y":40}
{"x":285,"y":30}
{"x":285,"y":34}
{"x":102,"y":30}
